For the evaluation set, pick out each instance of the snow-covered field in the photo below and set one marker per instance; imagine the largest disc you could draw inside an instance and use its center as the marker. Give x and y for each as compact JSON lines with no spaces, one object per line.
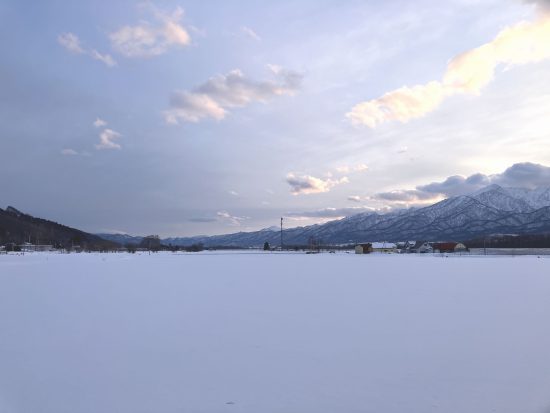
{"x":274,"y":333}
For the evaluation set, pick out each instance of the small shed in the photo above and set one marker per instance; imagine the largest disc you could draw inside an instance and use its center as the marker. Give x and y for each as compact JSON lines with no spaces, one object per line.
{"x":363,"y":248}
{"x":460,"y":247}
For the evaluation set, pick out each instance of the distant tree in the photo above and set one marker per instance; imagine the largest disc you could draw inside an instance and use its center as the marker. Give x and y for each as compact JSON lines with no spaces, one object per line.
{"x":195,"y":248}
{"x":266,"y":246}
{"x":151,"y":242}
{"x":131,"y":248}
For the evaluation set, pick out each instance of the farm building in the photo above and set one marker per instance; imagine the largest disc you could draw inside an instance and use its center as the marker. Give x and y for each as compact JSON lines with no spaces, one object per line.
{"x":448,"y":247}
{"x":384,"y":247}
{"x":421,"y":247}
{"x":28,"y":247}
{"x":363,"y":248}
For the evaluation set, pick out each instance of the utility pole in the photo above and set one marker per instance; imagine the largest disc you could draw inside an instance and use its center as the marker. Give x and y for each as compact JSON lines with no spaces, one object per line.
{"x":281,"y":233}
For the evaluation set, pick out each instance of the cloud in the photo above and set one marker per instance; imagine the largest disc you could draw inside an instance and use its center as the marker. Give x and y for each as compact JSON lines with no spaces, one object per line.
{"x":220,"y":93}
{"x":307,"y":184}
{"x":69,"y":152}
{"x":354,"y":168}
{"x":406,"y":196}
{"x":106,"y":138}
{"x":147,"y":40}
{"x":354,"y":198}
{"x":99,"y":123}
{"x":456,"y":185}
{"x":544,"y":5}
{"x":466,"y":73}
{"x":331,"y":212}
{"x":248,"y":32}
{"x":71,"y":42}
{"x":105,"y":58}
{"x":225,"y":216}
{"x":403,"y":149}
{"x":344,"y":169}
{"x":524,"y":175}
{"x":234,"y":193}
{"x":520,"y":175}
{"x":402,"y":104}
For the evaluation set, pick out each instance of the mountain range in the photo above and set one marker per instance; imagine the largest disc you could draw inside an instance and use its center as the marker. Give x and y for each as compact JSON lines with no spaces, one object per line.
{"x":491,"y":210}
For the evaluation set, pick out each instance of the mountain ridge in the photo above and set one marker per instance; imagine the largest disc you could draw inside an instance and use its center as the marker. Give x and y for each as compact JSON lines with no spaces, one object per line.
{"x":492,"y":209}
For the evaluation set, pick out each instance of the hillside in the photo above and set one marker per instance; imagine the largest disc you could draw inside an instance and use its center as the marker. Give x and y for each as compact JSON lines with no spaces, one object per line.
{"x":17,"y":227}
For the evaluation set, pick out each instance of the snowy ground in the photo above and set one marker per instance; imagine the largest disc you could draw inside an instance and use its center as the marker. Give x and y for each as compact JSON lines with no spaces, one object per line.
{"x":274,"y":333}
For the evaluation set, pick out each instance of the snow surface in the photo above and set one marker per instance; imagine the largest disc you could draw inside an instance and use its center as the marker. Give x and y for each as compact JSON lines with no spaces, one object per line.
{"x":274,"y":333}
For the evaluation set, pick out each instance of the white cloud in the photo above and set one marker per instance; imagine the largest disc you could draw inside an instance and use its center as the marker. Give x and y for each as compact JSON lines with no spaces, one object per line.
{"x":402,"y":104}
{"x":412,"y":196}
{"x":71,"y":42}
{"x":99,"y":123}
{"x":220,"y":93}
{"x":403,"y":149}
{"x":105,"y":58}
{"x":307,"y":184}
{"x":192,"y":107}
{"x":346,"y":169}
{"x":247,"y":31}
{"x":225,"y":216}
{"x":234,"y":193}
{"x":468,"y":72}
{"x":69,"y":152}
{"x":147,"y":40}
{"x":106,"y":138}
{"x":354,"y":198}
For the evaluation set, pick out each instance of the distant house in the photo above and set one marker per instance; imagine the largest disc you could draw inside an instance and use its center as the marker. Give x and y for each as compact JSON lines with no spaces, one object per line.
{"x":401,"y":246}
{"x":446,"y":247}
{"x":405,"y":246}
{"x":363,"y":248}
{"x":421,"y":247}
{"x":386,"y":247}
{"x":28,"y":247}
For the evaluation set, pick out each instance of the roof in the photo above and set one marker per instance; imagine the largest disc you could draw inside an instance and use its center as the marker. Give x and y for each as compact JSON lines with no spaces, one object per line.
{"x":445,"y":245}
{"x":381,"y":245}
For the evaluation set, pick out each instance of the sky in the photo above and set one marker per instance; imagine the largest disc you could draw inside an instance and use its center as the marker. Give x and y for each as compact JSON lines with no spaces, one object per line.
{"x":182,"y":118}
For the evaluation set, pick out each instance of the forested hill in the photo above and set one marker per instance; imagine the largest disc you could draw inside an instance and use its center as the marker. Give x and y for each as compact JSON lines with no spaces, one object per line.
{"x":17,"y":227}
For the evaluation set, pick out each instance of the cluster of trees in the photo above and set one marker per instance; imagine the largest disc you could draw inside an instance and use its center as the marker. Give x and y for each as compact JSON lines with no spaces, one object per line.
{"x":154,"y":247}
{"x":511,"y":241}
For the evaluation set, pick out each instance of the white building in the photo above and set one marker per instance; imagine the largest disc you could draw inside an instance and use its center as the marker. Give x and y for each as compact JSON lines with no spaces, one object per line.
{"x":386,"y":247}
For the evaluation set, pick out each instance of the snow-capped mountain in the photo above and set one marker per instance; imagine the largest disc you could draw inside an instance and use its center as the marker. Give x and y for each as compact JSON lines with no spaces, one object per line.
{"x":491,"y":210}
